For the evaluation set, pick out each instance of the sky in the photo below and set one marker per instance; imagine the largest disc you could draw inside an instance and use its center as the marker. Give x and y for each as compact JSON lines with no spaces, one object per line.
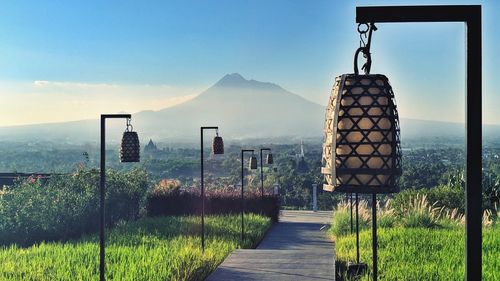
{"x":71,"y":60}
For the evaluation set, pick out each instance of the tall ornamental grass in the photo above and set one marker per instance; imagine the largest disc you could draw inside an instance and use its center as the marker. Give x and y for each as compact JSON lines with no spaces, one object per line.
{"x":149,"y":249}
{"x":417,"y":240}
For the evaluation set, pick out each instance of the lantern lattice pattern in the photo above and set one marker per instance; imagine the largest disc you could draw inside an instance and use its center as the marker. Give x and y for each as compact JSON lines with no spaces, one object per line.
{"x":362,"y":152}
{"x":218,"y":145}
{"x":130,"y":147}
{"x":269,"y":159}
{"x":253,"y":162}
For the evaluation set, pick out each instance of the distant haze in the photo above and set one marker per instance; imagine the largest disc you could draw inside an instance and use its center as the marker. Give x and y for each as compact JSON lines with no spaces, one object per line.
{"x":241,"y":108}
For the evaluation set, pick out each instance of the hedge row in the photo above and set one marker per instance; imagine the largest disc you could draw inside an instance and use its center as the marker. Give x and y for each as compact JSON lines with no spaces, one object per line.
{"x":67,"y":206}
{"x":189,"y":203}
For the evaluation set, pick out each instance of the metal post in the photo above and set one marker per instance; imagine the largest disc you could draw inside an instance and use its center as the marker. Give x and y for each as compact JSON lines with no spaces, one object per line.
{"x":374,"y":236}
{"x":262,"y":173}
{"x":350,"y":202}
{"x":471,"y":16}
{"x":243,"y":196}
{"x":101,"y":200}
{"x":102,"y":189}
{"x":203,"y":187}
{"x":357,"y":230}
{"x":202,"y":195}
{"x":315,"y":197}
{"x":242,"y":202}
{"x":261,"y":176}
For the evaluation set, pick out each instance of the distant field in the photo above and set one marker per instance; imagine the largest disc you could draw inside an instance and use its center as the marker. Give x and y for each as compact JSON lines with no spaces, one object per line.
{"x":422,"y":254}
{"x":162,"y":248}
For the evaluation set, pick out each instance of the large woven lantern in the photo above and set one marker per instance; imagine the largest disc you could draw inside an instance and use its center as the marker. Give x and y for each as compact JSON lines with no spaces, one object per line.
{"x":361,"y":152}
{"x":218,"y":144}
{"x":130,"y":147}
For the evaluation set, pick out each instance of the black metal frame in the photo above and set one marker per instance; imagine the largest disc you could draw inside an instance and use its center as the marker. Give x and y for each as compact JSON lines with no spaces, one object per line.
{"x":103,"y":189}
{"x":243,"y":194}
{"x":202,"y":197}
{"x":262,"y":172}
{"x":471,"y":16}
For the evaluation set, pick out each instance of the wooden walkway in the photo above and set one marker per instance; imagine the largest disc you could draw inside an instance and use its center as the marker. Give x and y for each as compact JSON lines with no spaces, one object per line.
{"x":294,"y":249}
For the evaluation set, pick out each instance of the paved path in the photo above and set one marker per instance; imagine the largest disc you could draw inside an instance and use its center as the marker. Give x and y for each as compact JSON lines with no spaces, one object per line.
{"x":294,"y":249}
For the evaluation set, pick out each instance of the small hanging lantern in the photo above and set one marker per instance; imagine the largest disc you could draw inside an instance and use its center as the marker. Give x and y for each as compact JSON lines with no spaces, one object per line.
{"x":253,"y":162}
{"x":361,"y":150}
{"x":269,"y":159}
{"x":130,"y":147}
{"x":218,"y":144}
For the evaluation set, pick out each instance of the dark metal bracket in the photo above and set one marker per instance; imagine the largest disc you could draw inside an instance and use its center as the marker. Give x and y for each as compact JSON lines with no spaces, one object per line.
{"x":471,"y":16}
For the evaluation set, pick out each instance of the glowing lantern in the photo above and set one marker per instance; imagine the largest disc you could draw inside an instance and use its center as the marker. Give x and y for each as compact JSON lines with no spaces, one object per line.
{"x":361,"y":152}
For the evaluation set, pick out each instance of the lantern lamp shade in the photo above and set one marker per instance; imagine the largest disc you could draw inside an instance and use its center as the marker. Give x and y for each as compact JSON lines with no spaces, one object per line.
{"x":130,"y":147}
{"x":253,"y":162}
{"x":361,"y":150}
{"x":269,"y":159}
{"x":218,"y":145}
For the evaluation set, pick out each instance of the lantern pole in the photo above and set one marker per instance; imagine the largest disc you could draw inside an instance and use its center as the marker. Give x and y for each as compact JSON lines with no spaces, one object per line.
{"x":203,"y":186}
{"x":471,"y":16}
{"x":374,"y":235}
{"x":102,"y":190}
{"x":262,"y":173}
{"x":350,"y":204}
{"x":243,"y":195}
{"x":357,"y":230}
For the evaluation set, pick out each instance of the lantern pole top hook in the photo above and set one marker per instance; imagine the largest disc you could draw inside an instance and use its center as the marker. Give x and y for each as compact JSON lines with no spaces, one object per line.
{"x":364,"y":47}
{"x":130,"y":128}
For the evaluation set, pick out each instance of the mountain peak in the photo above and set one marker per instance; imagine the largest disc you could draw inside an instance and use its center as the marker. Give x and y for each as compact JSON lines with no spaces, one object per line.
{"x":235,"y":80}
{"x":231,"y":80}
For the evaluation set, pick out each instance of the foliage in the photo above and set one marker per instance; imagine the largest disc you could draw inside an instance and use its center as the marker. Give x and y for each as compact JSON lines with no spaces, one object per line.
{"x":420,"y":253}
{"x":418,"y":242}
{"x":341,"y":224}
{"x":161,"y":248}
{"x":442,"y":196}
{"x":165,"y":187}
{"x":419,"y":213}
{"x":67,"y":206}
{"x":217,"y":202}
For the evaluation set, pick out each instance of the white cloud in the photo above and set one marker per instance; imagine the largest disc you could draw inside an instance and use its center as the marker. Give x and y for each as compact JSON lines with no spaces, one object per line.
{"x":43,"y":101}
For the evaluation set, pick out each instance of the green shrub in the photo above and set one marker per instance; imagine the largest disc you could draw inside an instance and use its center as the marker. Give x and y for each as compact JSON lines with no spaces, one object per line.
{"x":442,"y":196}
{"x":67,"y":206}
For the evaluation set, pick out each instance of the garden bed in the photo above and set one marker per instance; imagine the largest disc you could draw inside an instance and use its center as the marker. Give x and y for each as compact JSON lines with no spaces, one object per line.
{"x":416,"y":240}
{"x":160,"y":248}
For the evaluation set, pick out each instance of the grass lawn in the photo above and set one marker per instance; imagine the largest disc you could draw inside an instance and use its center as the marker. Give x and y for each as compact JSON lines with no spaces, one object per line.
{"x":421,"y":253}
{"x":161,"y":248}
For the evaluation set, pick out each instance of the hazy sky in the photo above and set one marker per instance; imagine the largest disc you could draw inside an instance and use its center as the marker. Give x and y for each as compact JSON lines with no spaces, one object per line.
{"x":68,"y":60}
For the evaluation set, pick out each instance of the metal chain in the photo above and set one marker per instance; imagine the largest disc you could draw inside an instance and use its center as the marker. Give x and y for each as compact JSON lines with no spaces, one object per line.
{"x":362,"y":33}
{"x":130,"y":128}
{"x":364,"y":47}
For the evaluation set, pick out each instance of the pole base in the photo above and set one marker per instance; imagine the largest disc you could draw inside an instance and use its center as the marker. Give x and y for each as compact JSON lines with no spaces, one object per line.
{"x":355,"y":270}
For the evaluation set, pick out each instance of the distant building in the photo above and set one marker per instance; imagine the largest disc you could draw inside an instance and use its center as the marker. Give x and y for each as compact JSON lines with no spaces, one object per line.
{"x":302,"y":166}
{"x":151,"y":147}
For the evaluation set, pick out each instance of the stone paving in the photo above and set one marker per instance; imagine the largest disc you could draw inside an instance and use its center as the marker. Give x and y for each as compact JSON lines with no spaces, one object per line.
{"x":294,"y":249}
